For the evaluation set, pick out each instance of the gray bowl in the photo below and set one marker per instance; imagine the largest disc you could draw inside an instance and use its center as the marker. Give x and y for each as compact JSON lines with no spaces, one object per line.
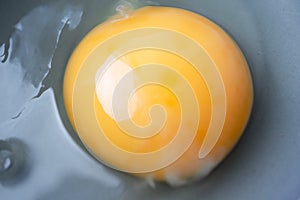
{"x":264,"y":165}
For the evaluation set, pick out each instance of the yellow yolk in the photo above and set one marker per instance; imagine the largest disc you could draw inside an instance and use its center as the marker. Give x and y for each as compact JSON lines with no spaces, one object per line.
{"x":163,"y":94}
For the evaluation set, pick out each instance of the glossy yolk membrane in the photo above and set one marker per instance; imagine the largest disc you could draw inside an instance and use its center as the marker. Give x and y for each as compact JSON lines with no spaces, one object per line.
{"x":164,"y":94}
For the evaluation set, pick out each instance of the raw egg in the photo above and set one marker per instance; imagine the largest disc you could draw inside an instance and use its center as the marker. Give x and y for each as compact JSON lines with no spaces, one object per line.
{"x":162,"y":93}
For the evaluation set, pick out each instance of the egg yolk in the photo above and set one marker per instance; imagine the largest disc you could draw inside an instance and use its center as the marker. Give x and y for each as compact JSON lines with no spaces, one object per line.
{"x":163,"y":94}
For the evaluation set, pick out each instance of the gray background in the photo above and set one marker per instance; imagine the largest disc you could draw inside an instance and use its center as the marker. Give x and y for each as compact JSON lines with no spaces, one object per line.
{"x":265,"y":163}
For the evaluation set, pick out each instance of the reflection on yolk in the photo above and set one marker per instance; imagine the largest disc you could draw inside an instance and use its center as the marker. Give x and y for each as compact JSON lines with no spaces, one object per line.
{"x":164,"y":94}
{"x":107,"y":80}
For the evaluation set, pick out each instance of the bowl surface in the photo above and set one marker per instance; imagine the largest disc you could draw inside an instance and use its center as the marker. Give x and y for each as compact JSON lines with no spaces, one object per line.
{"x":264,"y":164}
